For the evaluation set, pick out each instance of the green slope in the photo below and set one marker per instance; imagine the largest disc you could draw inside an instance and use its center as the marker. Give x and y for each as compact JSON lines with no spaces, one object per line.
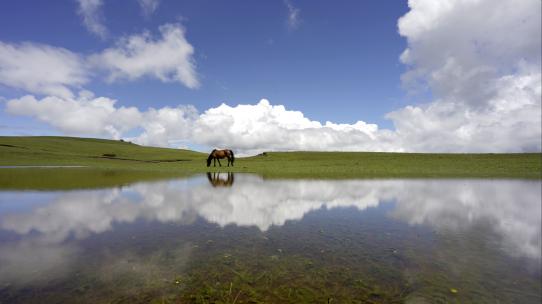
{"x":51,"y":150}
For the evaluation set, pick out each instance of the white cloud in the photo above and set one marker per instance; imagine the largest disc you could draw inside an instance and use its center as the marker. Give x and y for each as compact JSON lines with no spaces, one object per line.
{"x":508,"y":122}
{"x":260,"y":127}
{"x":90,"y":11}
{"x":169,"y":58}
{"x":148,"y":7}
{"x":85,"y":115}
{"x":249,"y":129}
{"x":166,"y":126}
{"x":459,"y":54}
{"x":293,"y":15}
{"x":41,"y":69}
{"x":484,"y":73}
{"x":48,"y":70}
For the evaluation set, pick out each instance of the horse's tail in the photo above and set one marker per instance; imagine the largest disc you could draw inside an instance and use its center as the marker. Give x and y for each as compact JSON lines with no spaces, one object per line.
{"x":210,"y":158}
{"x":232,"y":157}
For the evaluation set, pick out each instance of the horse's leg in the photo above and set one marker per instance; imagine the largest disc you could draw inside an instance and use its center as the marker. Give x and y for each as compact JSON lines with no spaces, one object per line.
{"x":214,"y":162}
{"x":228,"y":161}
{"x":219,"y":162}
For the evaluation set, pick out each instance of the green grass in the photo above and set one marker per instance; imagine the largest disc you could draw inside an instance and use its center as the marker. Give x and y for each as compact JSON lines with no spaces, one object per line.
{"x":398,"y":165}
{"x":110,"y":162}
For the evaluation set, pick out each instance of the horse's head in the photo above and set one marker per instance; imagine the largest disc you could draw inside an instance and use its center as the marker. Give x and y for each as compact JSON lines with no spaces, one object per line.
{"x":211,"y":155}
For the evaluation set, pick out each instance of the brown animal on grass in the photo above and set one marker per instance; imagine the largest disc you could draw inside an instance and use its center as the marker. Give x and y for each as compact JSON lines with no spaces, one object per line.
{"x":220,"y":154}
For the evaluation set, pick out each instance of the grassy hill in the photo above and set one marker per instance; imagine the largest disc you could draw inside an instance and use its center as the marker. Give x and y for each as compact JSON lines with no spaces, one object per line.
{"x":107,"y":161}
{"x":52,"y":150}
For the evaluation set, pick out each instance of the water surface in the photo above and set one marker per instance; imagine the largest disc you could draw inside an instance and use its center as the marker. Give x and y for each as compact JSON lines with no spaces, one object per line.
{"x":243,"y":239}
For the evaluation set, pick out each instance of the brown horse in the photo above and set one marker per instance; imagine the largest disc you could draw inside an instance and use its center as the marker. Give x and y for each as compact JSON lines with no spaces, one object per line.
{"x":216,"y":179}
{"x":218,"y":155}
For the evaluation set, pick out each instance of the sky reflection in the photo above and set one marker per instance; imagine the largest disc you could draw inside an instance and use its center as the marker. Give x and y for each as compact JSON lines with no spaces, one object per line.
{"x":42,"y":222}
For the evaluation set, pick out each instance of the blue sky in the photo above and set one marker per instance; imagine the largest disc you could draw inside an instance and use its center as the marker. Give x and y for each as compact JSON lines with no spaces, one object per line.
{"x":346,"y":57}
{"x":331,"y":61}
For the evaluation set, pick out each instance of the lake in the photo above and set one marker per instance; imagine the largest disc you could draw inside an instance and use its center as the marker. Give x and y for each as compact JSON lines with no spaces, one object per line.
{"x":224,"y":238}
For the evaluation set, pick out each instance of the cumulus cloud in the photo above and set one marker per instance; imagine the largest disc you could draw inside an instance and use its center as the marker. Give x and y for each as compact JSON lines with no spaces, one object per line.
{"x":41,"y":69}
{"x":148,"y":7}
{"x":508,"y":122}
{"x":48,"y":70}
{"x":259,"y":127}
{"x":249,"y":129}
{"x":169,"y":58}
{"x":484,"y":73}
{"x":99,"y":116}
{"x":166,"y":126}
{"x":459,"y":53}
{"x":84,"y":115}
{"x":293,"y":15}
{"x":90,"y":11}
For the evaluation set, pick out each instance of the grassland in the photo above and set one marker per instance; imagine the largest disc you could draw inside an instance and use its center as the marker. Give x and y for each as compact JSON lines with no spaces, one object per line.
{"x":115,"y":162}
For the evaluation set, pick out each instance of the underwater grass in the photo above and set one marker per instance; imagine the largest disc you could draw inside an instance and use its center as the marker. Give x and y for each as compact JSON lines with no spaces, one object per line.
{"x":333,"y":256}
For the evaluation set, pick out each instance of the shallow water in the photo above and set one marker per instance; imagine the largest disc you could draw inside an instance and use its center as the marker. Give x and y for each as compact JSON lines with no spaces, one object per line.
{"x":243,"y":239}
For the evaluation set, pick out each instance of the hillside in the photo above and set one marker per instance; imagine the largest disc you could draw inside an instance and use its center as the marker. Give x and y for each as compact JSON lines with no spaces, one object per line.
{"x":52,"y":150}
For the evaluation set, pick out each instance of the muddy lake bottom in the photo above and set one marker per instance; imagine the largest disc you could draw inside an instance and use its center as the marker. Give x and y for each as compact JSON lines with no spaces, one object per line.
{"x":222,"y":238}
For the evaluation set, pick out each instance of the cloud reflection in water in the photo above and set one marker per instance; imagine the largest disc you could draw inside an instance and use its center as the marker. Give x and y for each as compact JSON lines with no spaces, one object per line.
{"x":511,"y":207}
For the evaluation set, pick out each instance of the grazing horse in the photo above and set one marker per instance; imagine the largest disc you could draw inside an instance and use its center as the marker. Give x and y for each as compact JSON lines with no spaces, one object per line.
{"x":219,"y":154}
{"x":216,"y":179}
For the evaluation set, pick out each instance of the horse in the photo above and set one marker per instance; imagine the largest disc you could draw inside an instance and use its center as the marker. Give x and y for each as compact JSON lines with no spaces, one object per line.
{"x":216,"y":179}
{"x":219,"y":154}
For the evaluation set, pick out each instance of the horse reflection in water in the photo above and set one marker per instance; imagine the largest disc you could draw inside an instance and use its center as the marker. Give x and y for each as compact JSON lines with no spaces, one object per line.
{"x":220,"y":154}
{"x":218,"y":181}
